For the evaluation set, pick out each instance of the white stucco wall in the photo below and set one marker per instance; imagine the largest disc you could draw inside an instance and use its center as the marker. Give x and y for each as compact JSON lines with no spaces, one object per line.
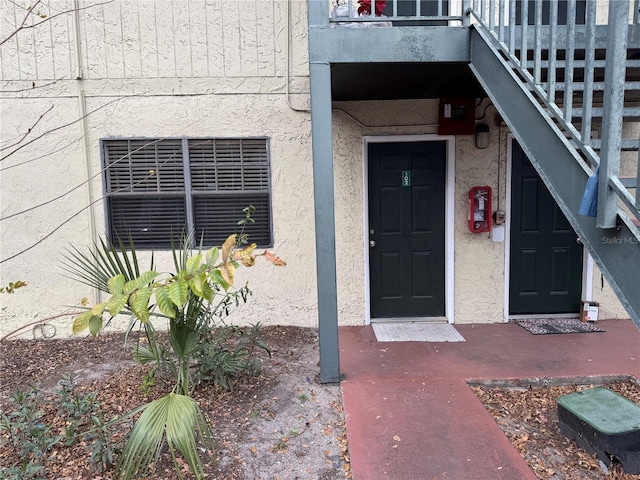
{"x":164,"y":68}
{"x":479,"y":262}
{"x":479,"y":270}
{"x":352,"y":121}
{"x":149,"y":69}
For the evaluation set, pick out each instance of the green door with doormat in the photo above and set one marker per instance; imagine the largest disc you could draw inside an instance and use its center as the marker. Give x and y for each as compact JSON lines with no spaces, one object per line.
{"x":546,"y":258}
{"x":407,"y":229}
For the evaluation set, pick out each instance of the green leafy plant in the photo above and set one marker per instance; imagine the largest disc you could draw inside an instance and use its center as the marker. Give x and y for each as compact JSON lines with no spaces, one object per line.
{"x":148,"y":382}
{"x":28,"y":434}
{"x":26,"y":469}
{"x":13,"y":286}
{"x":102,"y":448}
{"x":175,"y":419}
{"x":85,"y":420}
{"x":32,"y":437}
{"x":243,"y":239}
{"x":76,"y":405}
{"x":227,"y":352}
{"x":194,"y":300}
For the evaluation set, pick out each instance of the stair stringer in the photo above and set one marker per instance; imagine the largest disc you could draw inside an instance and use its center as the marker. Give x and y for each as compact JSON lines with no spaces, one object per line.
{"x":562,"y":169}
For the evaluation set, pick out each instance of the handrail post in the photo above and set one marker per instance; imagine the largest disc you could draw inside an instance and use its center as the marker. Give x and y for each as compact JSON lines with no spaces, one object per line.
{"x":466,"y":17}
{"x":589,"y":57}
{"x":569,"y":60}
{"x":501,"y":21}
{"x":613,"y":104}
{"x":537,"y":51}
{"x":524,"y":38}
{"x":638,"y":179}
{"x":551,"y":72}
{"x":492,"y":16}
{"x":512,"y":27}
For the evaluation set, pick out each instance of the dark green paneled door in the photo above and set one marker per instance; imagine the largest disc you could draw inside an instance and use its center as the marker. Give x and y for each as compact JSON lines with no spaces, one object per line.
{"x":407,"y":229}
{"x":546,"y":259}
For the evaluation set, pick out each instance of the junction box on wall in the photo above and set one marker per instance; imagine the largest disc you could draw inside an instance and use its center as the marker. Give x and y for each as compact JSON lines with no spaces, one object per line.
{"x":456,"y":116}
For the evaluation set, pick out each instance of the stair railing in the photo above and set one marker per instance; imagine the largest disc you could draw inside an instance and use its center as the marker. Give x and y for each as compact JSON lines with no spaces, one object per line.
{"x":448,"y":11}
{"x":523,"y":43}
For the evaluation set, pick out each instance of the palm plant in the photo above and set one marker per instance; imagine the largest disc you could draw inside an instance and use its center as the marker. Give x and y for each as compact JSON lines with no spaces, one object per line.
{"x":199,"y":290}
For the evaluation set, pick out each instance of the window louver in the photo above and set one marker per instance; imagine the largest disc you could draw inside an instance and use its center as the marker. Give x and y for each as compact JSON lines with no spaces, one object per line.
{"x":148,"y":194}
{"x":149,"y":221}
{"x":229,"y":164}
{"x":217,"y":217}
{"x":145,"y":166}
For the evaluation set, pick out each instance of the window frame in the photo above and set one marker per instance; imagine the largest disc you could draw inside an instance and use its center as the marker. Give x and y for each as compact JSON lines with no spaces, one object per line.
{"x":188,"y":193}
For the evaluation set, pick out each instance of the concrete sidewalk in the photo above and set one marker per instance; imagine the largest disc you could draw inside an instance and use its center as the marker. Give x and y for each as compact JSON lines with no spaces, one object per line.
{"x":411,"y":415}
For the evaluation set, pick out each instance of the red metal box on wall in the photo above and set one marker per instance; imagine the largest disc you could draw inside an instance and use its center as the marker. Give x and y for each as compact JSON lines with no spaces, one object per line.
{"x":456,"y":116}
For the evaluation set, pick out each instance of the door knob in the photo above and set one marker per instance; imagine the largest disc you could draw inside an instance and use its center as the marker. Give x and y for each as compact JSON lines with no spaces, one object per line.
{"x":372,"y":243}
{"x":578,"y":241}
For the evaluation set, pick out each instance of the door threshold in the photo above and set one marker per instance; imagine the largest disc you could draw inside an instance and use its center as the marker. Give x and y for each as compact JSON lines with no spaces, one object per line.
{"x":535,"y":316}
{"x":410,"y":320}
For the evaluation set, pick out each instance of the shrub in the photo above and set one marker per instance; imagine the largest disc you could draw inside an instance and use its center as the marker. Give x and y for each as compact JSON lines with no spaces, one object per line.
{"x":195,"y":300}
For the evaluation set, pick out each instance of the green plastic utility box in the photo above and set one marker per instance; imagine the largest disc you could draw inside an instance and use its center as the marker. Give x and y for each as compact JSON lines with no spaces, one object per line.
{"x":605,"y":423}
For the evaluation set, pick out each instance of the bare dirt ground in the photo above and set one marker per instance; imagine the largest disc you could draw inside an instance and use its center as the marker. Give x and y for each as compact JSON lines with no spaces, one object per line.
{"x":529,"y":418}
{"x":280,"y":424}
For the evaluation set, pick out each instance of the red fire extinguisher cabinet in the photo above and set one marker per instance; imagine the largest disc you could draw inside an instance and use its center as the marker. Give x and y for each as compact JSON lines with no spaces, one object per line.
{"x":480,"y":209}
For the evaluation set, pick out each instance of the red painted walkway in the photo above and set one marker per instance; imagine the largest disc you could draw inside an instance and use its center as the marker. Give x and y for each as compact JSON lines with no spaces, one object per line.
{"x":411,"y":415}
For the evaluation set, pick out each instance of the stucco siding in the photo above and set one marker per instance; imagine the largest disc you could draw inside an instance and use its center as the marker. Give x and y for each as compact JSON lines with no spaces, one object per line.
{"x":479,"y":261}
{"x":153,"y":39}
{"x":480,"y":268}
{"x":195,"y":68}
{"x":149,"y":69}
{"x":246,"y":115}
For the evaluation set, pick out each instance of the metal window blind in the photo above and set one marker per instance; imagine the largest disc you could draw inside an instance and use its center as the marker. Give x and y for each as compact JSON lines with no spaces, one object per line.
{"x":217,"y":217}
{"x":148,"y":193}
{"x":226,"y":176}
{"x":229,"y":164}
{"x":145,"y":166}
{"x":151,"y":221}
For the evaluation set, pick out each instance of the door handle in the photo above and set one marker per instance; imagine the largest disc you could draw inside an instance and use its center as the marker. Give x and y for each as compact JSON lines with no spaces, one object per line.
{"x":578,"y":241}
{"x":372,"y":243}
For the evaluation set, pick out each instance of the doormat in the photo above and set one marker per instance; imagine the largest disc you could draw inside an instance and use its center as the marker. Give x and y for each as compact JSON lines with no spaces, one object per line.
{"x":548,"y":326}
{"x":416,"y":332}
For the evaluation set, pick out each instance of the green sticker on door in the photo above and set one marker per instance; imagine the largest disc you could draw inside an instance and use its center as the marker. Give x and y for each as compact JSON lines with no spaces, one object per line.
{"x":406,"y":178}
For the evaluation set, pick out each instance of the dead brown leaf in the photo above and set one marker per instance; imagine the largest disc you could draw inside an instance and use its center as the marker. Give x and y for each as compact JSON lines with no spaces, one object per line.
{"x":528,"y":417}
